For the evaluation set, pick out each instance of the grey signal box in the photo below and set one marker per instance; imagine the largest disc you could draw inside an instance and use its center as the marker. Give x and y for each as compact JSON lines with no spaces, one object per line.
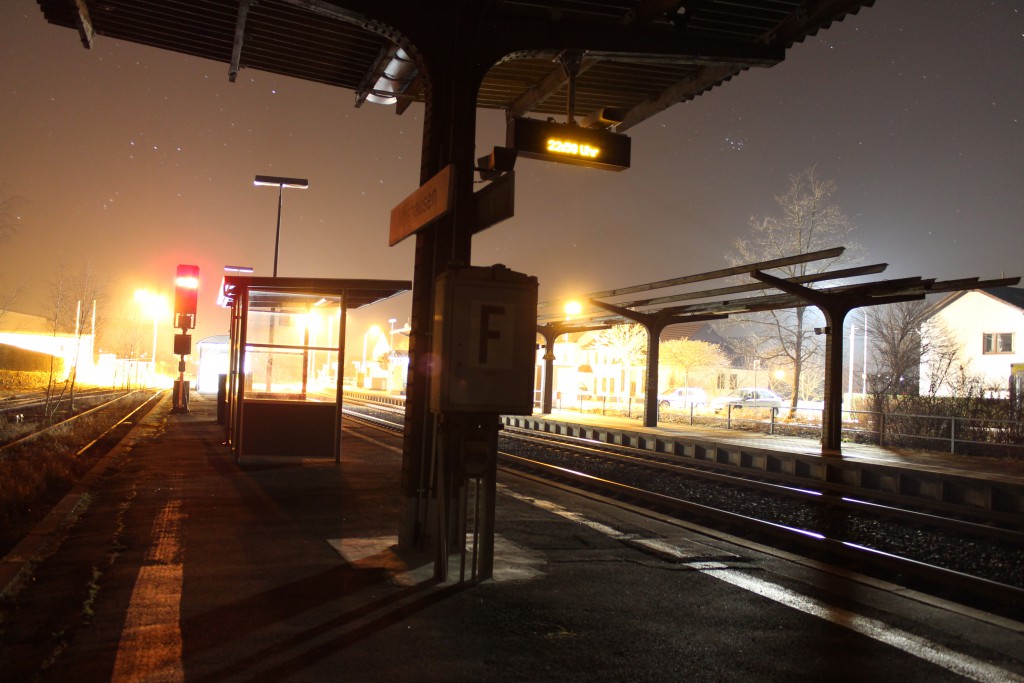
{"x":485,"y":327}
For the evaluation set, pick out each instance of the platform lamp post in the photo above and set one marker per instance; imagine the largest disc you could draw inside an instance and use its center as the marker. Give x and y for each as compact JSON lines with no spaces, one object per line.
{"x":391,"y":351}
{"x":376,"y":330}
{"x":280,"y":183}
{"x":156,"y":307}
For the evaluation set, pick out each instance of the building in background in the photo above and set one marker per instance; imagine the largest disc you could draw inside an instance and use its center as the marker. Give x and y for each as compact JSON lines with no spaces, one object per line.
{"x":988,"y":325}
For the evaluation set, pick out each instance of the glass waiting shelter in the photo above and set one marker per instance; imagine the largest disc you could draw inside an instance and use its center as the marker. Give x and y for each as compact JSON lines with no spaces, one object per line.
{"x":287,"y":360}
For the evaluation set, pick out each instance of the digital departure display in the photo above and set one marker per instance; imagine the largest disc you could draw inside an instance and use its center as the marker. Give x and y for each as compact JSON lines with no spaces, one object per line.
{"x":567,"y":144}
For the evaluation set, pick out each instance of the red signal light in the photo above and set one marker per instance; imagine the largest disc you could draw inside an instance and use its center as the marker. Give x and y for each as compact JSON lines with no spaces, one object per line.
{"x":186,"y":296}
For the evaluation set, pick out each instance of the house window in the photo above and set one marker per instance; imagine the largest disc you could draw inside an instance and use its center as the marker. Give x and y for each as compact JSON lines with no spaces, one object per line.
{"x":727,"y":381}
{"x":997,"y":342}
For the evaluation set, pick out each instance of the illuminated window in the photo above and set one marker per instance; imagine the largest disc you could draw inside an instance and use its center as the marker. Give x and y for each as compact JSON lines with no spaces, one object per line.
{"x":997,"y":342}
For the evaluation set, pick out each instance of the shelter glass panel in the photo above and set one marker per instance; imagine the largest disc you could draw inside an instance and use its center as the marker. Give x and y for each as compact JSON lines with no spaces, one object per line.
{"x":292,"y":347}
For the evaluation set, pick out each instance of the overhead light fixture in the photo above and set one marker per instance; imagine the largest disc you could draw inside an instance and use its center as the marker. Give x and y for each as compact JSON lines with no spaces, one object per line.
{"x":604,"y":118}
{"x":500,"y":160}
{"x":394,"y":79}
{"x":277,"y":181}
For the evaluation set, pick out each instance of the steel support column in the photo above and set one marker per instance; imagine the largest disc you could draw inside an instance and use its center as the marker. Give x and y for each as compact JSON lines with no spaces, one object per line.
{"x":551,"y":332}
{"x":655,"y":324}
{"x":446,"y":57}
{"x":654,"y":329}
{"x":835,"y":307}
{"x":832,"y":415}
{"x":549,"y":370}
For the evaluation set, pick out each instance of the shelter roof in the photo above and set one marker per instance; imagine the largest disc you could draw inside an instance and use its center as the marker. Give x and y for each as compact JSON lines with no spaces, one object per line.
{"x":718,"y":302}
{"x":298,"y":292}
{"x":641,"y":56}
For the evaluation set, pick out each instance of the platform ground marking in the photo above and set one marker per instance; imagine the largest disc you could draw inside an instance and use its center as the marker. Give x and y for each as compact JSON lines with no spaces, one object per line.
{"x":150,"y":648}
{"x":951,"y":660}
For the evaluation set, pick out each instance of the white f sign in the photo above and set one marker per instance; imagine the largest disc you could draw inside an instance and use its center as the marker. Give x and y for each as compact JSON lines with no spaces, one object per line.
{"x":492,"y":335}
{"x":485,"y":332}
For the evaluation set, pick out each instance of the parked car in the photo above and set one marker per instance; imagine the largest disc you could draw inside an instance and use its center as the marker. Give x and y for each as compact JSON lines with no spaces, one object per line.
{"x":748,"y":398}
{"x":682,"y":398}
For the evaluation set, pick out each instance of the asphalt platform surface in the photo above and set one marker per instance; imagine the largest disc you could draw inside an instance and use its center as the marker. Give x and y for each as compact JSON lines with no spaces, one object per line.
{"x":175,"y":563}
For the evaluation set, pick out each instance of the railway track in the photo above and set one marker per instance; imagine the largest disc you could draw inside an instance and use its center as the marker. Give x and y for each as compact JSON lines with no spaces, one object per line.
{"x":25,"y":413}
{"x":30,"y":401}
{"x":975,"y":560}
{"x":101,"y":404}
{"x":42,"y":462}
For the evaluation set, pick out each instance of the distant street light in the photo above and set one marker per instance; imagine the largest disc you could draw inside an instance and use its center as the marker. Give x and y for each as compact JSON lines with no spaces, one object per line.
{"x":155,"y":306}
{"x":280,"y":183}
{"x":391,"y":351}
{"x":373,"y":328}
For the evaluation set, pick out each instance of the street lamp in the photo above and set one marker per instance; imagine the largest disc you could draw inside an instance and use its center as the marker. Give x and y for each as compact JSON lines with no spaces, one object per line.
{"x":156,"y":306}
{"x":391,"y":350}
{"x":572,"y":308}
{"x":280,"y":183}
{"x":373,"y":328}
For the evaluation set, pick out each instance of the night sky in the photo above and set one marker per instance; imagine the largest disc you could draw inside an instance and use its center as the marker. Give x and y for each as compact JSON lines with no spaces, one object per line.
{"x":133,"y":160}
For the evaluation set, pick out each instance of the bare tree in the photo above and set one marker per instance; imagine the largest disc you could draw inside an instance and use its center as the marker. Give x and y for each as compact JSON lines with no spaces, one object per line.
{"x":58,"y":322}
{"x":86,"y":292}
{"x":810,"y":220}
{"x":896,"y":347}
{"x":9,"y":218}
{"x":72,"y":298}
{"x":626,"y":344}
{"x":9,"y":221}
{"x":7,"y":299}
{"x":906,"y":339}
{"x":942,"y":361}
{"x":690,"y":355}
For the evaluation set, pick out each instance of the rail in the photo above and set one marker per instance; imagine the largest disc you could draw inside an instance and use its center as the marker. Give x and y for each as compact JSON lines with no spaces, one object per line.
{"x":64,"y":425}
{"x":873,"y":534}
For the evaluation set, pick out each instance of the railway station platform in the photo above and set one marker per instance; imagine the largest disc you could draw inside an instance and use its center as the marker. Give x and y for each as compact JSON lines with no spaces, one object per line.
{"x":959,"y":483}
{"x":174,"y":562}
{"x":938,"y":460}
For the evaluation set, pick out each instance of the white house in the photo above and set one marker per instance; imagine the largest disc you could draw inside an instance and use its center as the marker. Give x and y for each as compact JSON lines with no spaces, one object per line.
{"x":988,"y":324}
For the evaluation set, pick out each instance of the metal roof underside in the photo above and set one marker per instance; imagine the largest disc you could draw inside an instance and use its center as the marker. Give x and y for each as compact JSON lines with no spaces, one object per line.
{"x":641,"y":56}
{"x":296,"y":292}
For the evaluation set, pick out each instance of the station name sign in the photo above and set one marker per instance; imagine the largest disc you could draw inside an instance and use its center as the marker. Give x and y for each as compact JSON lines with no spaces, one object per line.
{"x":568,"y":144}
{"x":429,"y":202}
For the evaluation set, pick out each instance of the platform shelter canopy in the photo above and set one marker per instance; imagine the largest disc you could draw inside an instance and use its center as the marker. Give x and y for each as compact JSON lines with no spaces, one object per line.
{"x":831,"y":291}
{"x":637,"y":56}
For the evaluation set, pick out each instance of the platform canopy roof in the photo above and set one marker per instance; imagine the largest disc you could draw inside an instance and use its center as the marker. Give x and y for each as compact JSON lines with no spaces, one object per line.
{"x":640,"y":56}
{"x":733,"y":297}
{"x":293,"y":293}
